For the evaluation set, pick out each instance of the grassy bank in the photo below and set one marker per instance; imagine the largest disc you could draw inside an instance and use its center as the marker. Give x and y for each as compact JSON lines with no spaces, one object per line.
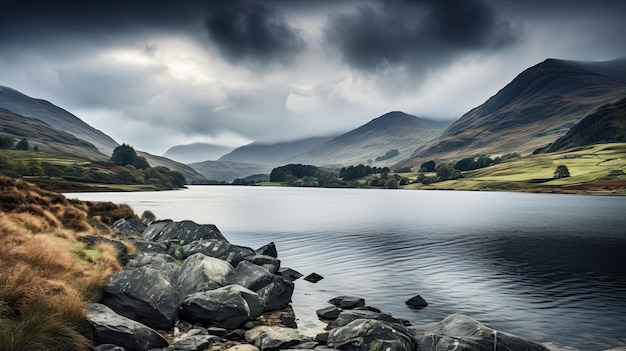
{"x":599,"y":169}
{"x":46,"y":274}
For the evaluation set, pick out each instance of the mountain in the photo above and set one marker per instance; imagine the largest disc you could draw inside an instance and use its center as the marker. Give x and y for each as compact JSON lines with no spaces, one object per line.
{"x":196,"y":152}
{"x":540,"y":105}
{"x":392,"y":131}
{"x":606,"y":125}
{"x":273,"y":154}
{"x":45,"y":137}
{"x":228,"y":171}
{"x":61,"y":119}
{"x":56,"y":117}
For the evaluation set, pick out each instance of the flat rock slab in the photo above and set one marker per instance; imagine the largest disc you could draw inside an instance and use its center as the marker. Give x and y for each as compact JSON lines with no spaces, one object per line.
{"x":460,"y":332}
{"x":183,"y":231}
{"x":313,"y":278}
{"x":194,"y":342}
{"x":347,"y":302}
{"x":272,"y":338}
{"x":111,"y":328}
{"x":371,"y":334}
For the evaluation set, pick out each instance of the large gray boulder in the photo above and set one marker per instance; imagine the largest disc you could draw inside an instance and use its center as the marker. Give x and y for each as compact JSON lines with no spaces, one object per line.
{"x":128,"y":227}
{"x":371,"y":335}
{"x":275,"y":290}
{"x":270,"y":263}
{"x":201,"y":273}
{"x":111,"y":328}
{"x":161,"y":262}
{"x":228,"y":307}
{"x":143,"y":294}
{"x":219,"y":249}
{"x":143,"y":245}
{"x":274,"y":338}
{"x":462,"y":333}
{"x":184,"y":231}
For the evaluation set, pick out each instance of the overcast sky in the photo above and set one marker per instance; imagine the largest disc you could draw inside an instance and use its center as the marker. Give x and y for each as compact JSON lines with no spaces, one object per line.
{"x":156,"y":73}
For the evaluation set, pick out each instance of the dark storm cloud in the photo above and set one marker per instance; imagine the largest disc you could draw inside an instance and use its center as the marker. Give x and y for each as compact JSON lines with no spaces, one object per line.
{"x":253,"y":33}
{"x":241,"y":31}
{"x":418,"y":34}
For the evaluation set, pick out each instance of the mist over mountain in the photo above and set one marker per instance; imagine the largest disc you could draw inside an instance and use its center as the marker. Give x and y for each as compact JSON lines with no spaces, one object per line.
{"x":274,"y":154}
{"x":196,"y":152}
{"x":540,"y":105}
{"x":227,"y":171}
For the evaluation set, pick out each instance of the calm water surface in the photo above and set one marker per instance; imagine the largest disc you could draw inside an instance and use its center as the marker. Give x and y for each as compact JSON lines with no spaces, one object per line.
{"x":551,"y":268}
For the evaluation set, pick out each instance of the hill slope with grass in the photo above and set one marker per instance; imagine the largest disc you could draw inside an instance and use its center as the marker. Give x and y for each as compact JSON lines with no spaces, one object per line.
{"x":597,"y":169}
{"x":46,"y":138}
{"x":47,"y":274}
{"x":56,"y":117}
{"x":605,"y":125}
{"x":61,"y":119}
{"x":540,"y":105}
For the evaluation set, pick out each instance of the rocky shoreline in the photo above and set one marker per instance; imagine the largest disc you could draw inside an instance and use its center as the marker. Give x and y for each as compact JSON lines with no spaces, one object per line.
{"x":188,"y":288}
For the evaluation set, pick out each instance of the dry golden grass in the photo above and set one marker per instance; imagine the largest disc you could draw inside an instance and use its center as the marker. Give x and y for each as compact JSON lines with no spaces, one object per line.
{"x":46,"y":274}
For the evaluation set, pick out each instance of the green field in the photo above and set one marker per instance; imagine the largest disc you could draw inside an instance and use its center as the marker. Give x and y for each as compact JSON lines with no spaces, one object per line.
{"x":598,"y":169}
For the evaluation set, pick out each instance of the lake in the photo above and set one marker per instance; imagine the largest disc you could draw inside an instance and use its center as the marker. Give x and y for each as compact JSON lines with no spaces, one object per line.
{"x":547,"y":267}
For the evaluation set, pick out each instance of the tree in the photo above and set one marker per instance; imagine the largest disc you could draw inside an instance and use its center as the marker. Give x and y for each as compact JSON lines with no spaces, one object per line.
{"x":561,"y":172}
{"x":22,"y":145}
{"x":428,"y":166}
{"x":124,"y":155}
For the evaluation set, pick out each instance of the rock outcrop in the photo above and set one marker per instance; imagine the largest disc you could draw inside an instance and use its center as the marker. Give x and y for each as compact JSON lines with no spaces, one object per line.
{"x":203,"y":292}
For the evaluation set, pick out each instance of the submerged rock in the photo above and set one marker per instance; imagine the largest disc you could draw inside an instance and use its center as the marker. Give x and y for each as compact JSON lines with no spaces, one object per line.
{"x":313,"y":278}
{"x":416,"y":302}
{"x":111,"y":328}
{"x":347,"y":302}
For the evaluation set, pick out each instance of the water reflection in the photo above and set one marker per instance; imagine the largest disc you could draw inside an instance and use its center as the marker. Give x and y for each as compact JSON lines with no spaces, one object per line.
{"x":546,"y":267}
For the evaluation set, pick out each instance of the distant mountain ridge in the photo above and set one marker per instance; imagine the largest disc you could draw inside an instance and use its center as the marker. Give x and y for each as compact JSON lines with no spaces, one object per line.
{"x":541,"y":104}
{"x":392,"y":131}
{"x":273,"y":154}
